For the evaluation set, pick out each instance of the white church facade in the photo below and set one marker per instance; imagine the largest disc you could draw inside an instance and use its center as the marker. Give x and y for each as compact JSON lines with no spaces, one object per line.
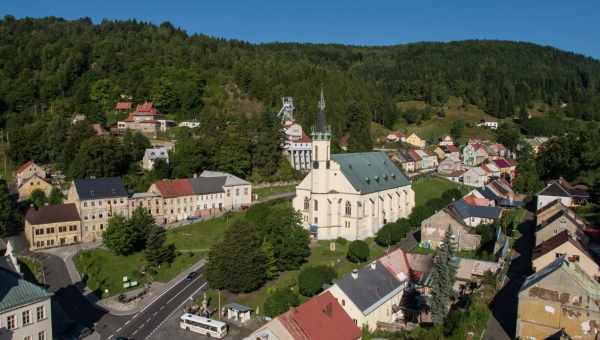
{"x":350,"y":195}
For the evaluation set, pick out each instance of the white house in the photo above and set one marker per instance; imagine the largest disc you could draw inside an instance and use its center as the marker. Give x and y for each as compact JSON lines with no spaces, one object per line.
{"x":350,"y":195}
{"x":568,"y":194}
{"x":488,"y":124}
{"x":151,"y":155}
{"x":475,"y":177}
{"x":191,"y":124}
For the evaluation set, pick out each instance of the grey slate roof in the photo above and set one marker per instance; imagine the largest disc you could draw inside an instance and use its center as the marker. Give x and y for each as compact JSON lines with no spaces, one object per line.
{"x":370,"y":171}
{"x":371,"y":286}
{"x":207,"y":185}
{"x":16,"y":292}
{"x":231,"y":180}
{"x":541,"y":274}
{"x":98,"y":188}
{"x":464,"y":210}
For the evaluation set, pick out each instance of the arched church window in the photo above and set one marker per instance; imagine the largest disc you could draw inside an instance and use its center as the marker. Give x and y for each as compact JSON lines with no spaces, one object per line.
{"x":306,"y":203}
{"x":316,"y":205}
{"x":348,"y":208}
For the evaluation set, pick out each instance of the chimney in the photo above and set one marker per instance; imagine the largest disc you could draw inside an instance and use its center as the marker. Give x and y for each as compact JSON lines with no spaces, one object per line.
{"x":373,"y":265}
{"x":355,"y":274}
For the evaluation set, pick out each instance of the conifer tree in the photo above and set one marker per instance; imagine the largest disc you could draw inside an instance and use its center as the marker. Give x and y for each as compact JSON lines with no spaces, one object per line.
{"x":271,"y":268}
{"x":443,"y":276}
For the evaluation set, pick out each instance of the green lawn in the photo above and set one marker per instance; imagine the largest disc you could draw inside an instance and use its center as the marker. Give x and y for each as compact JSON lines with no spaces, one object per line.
{"x":265,"y":192}
{"x":104,"y":270}
{"x":31,"y":269}
{"x":433,"y":187}
{"x":437,"y":127}
{"x":320,"y":255}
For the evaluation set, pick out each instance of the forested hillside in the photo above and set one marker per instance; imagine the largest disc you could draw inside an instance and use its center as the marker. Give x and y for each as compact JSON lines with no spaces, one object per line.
{"x":75,"y":66}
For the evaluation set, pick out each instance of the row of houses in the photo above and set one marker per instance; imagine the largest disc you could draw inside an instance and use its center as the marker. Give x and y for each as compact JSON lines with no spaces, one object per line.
{"x":562,"y":297}
{"x":92,"y":202}
{"x":481,"y":206}
{"x":377,"y":296}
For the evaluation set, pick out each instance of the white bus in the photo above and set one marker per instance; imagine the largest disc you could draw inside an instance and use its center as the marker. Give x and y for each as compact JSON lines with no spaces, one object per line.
{"x":205,"y":326}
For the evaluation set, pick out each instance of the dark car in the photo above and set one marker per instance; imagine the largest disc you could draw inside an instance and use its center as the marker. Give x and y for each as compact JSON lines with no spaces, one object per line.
{"x":191,"y":276}
{"x":122,"y":338}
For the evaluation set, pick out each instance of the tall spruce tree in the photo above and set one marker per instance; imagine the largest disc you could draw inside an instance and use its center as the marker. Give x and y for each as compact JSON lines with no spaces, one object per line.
{"x":442,"y":278}
{"x":156,"y":251}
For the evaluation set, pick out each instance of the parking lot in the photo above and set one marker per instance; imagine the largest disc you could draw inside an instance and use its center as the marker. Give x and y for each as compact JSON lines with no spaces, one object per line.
{"x":170,"y":330}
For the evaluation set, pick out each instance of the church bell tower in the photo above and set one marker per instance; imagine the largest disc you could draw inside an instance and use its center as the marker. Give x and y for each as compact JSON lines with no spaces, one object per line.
{"x":321,"y":149}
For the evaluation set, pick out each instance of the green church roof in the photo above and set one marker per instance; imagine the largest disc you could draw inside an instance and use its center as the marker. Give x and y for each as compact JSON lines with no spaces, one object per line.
{"x":16,"y":292}
{"x":370,"y":171}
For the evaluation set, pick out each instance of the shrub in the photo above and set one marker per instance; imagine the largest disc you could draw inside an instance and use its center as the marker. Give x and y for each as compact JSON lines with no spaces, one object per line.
{"x":358,"y":251}
{"x":393,"y":233}
{"x":280,"y":301}
{"x":340,"y":240}
{"x":312,"y":279}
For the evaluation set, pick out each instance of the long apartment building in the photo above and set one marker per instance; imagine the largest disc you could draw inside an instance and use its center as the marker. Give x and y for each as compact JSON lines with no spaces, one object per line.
{"x":209,"y":194}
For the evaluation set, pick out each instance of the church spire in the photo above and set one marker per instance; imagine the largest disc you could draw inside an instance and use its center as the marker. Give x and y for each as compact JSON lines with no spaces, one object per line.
{"x":321,"y":130}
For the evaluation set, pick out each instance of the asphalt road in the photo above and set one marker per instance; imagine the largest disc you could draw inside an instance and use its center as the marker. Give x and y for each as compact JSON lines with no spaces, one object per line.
{"x":72,"y":311}
{"x":143,"y":324}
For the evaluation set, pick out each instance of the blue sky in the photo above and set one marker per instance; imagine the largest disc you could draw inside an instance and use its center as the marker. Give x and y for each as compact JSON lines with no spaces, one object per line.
{"x":569,"y":25}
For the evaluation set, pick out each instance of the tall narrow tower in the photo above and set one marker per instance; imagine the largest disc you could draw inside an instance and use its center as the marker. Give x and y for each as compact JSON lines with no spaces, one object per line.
{"x":321,"y":149}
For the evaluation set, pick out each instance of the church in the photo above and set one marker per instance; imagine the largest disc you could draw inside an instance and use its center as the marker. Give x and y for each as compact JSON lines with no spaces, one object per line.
{"x":350,"y":195}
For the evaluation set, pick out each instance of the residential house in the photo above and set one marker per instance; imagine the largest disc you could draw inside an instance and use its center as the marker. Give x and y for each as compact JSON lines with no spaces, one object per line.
{"x":506,"y":167}
{"x":551,"y":209}
{"x":434,"y":228}
{"x":570,"y":195}
{"x":475,"y":177}
{"x":238,"y":192}
{"x":151,"y":155}
{"x":536,"y":143}
{"x":456,"y":176}
{"x":497,"y":150}
{"x":52,"y":225}
{"x":474,"y":215}
{"x":395,"y":137}
{"x":370,"y":295}
{"x":424,"y":160}
{"x":474,"y":154}
{"x":559,"y":298}
{"x":190,"y":124}
{"x":491,"y":170}
{"x":78,"y":117}
{"x":28,"y":169}
{"x":150,"y":201}
{"x":562,"y":220}
{"x":446,"y":141}
{"x":97,"y":200}
{"x":407,"y":163}
{"x":472,"y":271}
{"x":350,"y":195}
{"x":33,"y":183}
{"x":123,"y":106}
{"x":488,"y":124}
{"x":449,"y":165}
{"x":451,"y":151}
{"x":144,"y":119}
{"x":25,"y":308}
{"x":476,"y":199}
{"x":320,"y":318}
{"x":99,"y":130}
{"x":415,"y":140}
{"x":502,"y":193}
{"x":343,"y":143}
{"x":439,"y":153}
{"x":562,"y":244}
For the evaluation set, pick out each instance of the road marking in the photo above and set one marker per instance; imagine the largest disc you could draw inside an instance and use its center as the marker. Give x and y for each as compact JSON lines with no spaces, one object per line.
{"x":175,"y":310}
{"x":173,"y":286}
{"x":127,"y":322}
{"x":162,"y":307}
{"x":119,"y":329}
{"x":110,"y":337}
{"x":135,"y":332}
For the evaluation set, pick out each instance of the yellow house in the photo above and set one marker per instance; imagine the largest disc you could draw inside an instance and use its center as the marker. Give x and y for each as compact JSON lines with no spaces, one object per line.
{"x":415,"y":140}
{"x":28,"y":169}
{"x":32,"y":183}
{"x":52,"y":226}
{"x":563,"y":244}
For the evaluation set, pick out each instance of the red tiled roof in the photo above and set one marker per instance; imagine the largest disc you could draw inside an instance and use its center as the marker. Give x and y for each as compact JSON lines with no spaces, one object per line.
{"x":450,"y":148}
{"x":502,"y":163}
{"x":305,"y":138}
{"x":24,"y":166}
{"x":473,"y":200}
{"x":414,"y":155}
{"x":320,"y":318}
{"x":170,"y":188}
{"x":123,"y":106}
{"x":344,"y":140}
{"x":146,"y":109}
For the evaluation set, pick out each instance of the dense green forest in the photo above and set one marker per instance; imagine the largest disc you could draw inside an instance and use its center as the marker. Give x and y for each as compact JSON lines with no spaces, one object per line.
{"x":64,"y":66}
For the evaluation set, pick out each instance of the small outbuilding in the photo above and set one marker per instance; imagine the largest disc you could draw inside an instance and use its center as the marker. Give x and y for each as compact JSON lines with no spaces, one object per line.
{"x":237,"y":312}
